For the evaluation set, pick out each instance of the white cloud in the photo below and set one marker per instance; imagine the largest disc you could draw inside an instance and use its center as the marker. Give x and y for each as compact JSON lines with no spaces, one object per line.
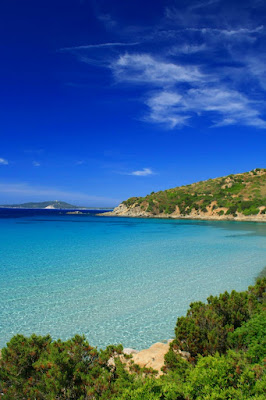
{"x":143,"y":172}
{"x":226,"y":107}
{"x":36,"y":164}
{"x":184,"y":92}
{"x":3,"y":161}
{"x":232,"y":107}
{"x":166,"y":108}
{"x":143,"y":68}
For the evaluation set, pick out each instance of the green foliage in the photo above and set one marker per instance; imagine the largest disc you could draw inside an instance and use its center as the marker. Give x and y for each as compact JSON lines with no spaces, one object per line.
{"x":251,"y":338}
{"x":169,"y":209}
{"x":37,"y":368}
{"x":150,"y":206}
{"x":132,"y":201}
{"x":174,"y":361}
{"x":221,"y":377}
{"x":153,"y":389}
{"x":236,"y":188}
{"x":205,"y":329}
{"x":232,"y":210}
{"x":251,"y":211}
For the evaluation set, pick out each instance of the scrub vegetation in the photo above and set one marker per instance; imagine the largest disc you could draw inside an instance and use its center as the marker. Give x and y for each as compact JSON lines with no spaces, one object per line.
{"x":239,"y":194}
{"x":224,"y":340}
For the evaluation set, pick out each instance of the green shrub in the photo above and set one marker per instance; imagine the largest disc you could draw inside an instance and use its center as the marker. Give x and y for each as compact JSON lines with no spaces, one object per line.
{"x":251,"y":338}
{"x":232,"y":210}
{"x":37,"y":368}
{"x":205,"y":328}
{"x":223,"y":377}
{"x":251,"y":211}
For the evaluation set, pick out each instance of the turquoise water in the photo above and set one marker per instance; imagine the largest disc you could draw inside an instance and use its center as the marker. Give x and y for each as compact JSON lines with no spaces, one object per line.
{"x":117,"y":280}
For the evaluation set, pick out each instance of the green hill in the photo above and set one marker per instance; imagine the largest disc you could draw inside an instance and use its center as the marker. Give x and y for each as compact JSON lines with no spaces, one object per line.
{"x":239,"y":195}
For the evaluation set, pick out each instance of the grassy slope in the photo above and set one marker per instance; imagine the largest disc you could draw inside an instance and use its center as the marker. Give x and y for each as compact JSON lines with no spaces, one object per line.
{"x":243,"y":194}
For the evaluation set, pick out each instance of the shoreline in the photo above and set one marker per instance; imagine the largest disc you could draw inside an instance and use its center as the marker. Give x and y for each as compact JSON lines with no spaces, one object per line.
{"x":184,"y":217}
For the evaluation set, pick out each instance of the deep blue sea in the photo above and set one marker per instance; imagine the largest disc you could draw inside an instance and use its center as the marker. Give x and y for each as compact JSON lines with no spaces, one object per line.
{"x":116,"y":280}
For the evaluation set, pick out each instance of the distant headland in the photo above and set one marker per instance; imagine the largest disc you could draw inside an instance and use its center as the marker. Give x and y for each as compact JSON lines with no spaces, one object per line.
{"x":52,"y":205}
{"x":239,"y":197}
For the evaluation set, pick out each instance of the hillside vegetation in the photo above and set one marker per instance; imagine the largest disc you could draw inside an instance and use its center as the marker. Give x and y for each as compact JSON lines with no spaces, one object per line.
{"x":223,"y":339}
{"x":233,"y":195}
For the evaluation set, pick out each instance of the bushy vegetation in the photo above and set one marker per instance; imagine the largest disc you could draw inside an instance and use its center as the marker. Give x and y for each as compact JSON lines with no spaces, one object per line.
{"x":205,"y":329}
{"x":226,"y":353}
{"x":241,"y":193}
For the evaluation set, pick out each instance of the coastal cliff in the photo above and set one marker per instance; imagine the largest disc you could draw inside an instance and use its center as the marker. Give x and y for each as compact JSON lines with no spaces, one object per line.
{"x":239,"y":197}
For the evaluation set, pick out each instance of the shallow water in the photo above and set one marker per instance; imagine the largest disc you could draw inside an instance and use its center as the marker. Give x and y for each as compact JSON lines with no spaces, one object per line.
{"x":117,"y":280}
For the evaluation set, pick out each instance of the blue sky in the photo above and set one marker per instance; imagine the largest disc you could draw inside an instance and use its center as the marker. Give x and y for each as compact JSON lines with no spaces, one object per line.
{"x":102,"y":100}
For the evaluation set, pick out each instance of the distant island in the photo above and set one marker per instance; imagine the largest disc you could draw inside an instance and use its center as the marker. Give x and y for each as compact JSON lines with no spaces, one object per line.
{"x":52,"y":205}
{"x":240,"y":197}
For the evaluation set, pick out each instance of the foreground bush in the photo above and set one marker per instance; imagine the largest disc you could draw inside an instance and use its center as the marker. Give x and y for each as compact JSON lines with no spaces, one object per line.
{"x":37,"y":368}
{"x":205,"y":328}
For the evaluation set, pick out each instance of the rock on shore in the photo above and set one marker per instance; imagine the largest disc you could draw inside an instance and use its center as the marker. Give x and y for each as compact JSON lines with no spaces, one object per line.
{"x":153,"y":357}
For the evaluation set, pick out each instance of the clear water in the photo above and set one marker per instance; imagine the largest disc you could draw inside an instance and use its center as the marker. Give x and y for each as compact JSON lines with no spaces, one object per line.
{"x":117,"y":280}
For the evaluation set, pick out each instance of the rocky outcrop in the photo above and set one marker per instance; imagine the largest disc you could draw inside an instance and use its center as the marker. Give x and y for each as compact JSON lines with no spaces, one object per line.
{"x":123,"y":211}
{"x":153,"y":357}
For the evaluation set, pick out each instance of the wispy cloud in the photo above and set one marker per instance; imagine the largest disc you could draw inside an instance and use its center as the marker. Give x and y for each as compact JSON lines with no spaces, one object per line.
{"x":226,"y":32}
{"x":144,"y":68}
{"x":98,"y":46}
{"x":233,"y":107}
{"x":142,"y":172}
{"x":36,"y":164}
{"x":167,"y":108}
{"x":3,"y":161}
{"x":174,"y":104}
{"x":203,"y":4}
{"x":257,"y":68}
{"x":192,"y":64}
{"x":187,"y":49}
{"x":26,"y":191}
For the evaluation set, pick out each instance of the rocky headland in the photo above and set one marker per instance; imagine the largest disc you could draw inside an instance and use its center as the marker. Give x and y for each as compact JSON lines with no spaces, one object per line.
{"x":239,"y":197}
